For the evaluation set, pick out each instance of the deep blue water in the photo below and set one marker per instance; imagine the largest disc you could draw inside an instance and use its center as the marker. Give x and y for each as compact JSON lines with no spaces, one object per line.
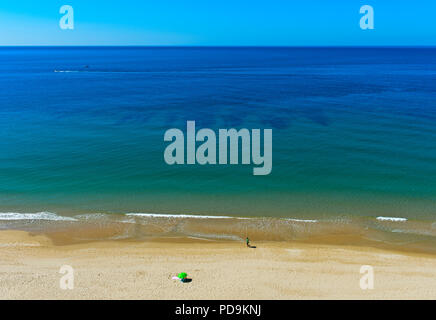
{"x":354,"y":130}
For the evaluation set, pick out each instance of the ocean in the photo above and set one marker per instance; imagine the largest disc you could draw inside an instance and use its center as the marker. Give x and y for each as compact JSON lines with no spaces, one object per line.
{"x":354,"y":141}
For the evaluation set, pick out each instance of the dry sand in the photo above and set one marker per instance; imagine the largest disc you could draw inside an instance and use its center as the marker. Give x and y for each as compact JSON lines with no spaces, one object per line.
{"x":29,"y":269}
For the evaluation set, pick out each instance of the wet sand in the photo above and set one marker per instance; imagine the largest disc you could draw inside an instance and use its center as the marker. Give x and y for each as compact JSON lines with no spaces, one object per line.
{"x":30,"y":264}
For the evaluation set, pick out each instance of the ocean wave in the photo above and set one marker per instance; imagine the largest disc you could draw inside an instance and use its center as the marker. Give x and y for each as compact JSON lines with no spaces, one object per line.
{"x":12,"y":216}
{"x":91,"y":216}
{"x":181,"y":216}
{"x":215,"y":236}
{"x":391,"y":219}
{"x":301,"y":220}
{"x":415,"y":232}
{"x":95,"y":216}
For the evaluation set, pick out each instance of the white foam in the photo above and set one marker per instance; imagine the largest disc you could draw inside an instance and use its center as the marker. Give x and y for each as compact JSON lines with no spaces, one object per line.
{"x":91,"y":216}
{"x":301,"y":220}
{"x":180,"y":216}
{"x":216,"y":236}
{"x":391,"y":219}
{"x":33,"y":216}
{"x":415,"y":232}
{"x":198,"y":238}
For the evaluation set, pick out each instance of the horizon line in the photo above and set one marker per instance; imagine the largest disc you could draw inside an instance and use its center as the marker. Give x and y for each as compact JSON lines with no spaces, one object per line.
{"x":224,"y":46}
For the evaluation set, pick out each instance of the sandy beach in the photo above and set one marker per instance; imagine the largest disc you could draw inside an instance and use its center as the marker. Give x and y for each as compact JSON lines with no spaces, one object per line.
{"x":30,"y":264}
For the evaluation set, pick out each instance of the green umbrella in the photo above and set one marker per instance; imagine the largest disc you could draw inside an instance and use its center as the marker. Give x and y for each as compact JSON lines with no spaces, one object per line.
{"x":182,"y":275}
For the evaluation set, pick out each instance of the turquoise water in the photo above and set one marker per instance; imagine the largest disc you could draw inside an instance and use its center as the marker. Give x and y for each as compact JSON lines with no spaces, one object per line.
{"x":353,"y":130}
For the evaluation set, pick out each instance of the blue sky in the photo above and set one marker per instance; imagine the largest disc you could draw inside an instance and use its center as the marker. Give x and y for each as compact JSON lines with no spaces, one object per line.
{"x":218,"y":22}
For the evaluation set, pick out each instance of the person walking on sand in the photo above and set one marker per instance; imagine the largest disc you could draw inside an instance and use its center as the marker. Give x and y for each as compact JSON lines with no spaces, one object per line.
{"x":248,"y":242}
